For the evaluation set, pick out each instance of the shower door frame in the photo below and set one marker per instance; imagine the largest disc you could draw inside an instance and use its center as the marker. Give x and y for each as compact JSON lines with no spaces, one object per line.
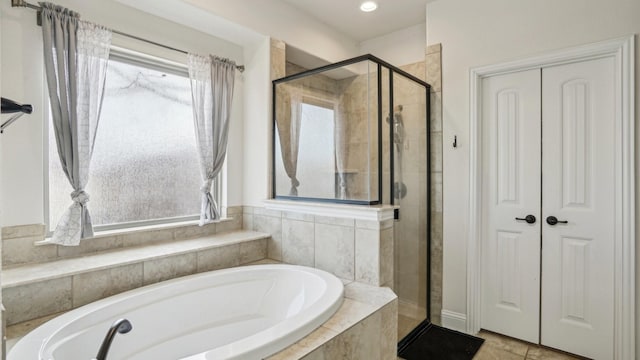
{"x":402,"y":343}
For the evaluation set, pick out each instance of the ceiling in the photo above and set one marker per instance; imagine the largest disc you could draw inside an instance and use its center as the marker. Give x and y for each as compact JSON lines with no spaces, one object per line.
{"x":345,"y":15}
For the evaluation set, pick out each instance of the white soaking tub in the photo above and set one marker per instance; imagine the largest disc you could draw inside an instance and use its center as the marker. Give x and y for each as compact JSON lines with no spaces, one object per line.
{"x":240,"y":313}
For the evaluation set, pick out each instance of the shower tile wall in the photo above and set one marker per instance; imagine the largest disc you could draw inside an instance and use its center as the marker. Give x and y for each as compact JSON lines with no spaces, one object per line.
{"x":433,"y":61}
{"x":354,"y":105}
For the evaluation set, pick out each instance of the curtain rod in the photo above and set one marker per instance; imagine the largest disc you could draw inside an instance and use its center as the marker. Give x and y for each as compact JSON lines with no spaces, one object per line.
{"x":22,"y":3}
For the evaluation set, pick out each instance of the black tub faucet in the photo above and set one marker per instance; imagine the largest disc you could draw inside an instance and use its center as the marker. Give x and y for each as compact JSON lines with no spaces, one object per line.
{"x":121,"y":326}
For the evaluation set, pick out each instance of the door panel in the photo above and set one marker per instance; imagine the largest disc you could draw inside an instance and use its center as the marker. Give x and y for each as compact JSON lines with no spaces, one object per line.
{"x":578,"y":120}
{"x":511,"y":188}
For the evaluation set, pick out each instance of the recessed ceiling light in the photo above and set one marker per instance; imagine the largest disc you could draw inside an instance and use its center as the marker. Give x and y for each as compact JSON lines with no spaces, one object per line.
{"x":368,"y":6}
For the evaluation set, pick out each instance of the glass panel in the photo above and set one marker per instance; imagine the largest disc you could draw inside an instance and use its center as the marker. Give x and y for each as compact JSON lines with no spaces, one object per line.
{"x":326,"y":133}
{"x":409,"y":128}
{"x":145,"y":164}
{"x":386,"y":159}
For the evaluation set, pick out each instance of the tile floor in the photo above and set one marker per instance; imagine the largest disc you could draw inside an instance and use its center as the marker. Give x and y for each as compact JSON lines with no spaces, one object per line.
{"x":498,"y":347}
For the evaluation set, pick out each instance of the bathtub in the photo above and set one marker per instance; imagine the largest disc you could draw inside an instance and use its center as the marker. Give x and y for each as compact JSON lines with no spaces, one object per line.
{"x":240,"y":313}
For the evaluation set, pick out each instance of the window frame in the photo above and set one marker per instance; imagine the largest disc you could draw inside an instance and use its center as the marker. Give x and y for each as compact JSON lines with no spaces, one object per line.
{"x":135,"y":58}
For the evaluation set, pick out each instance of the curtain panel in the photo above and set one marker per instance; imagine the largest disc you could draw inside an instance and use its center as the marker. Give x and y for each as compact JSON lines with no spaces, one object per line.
{"x":212,"y":82}
{"x":75,"y":57}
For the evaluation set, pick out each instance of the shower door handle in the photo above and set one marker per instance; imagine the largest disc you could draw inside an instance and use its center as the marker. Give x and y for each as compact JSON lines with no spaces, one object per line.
{"x":530,"y":219}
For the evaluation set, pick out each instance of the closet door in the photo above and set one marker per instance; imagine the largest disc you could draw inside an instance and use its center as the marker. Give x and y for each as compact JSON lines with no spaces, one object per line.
{"x":511,"y":189}
{"x":578,"y":185}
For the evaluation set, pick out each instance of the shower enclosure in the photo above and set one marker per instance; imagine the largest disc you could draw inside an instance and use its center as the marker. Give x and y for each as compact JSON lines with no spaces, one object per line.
{"x":357,"y":132}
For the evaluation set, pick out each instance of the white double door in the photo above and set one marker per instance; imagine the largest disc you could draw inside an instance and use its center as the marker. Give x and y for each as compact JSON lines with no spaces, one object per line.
{"x":549,"y":153}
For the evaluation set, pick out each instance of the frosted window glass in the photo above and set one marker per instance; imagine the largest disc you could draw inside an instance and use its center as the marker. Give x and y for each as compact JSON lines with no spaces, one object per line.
{"x":145,"y":165}
{"x":316,"y":154}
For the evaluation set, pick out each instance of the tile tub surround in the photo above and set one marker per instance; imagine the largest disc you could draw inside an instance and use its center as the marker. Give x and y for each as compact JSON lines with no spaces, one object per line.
{"x":23,"y":244}
{"x":364,"y":327}
{"x":34,"y":290}
{"x":352,"y":242}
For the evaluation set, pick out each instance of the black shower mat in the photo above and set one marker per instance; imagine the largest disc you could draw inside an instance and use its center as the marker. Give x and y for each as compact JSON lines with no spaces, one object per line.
{"x":438,"y":343}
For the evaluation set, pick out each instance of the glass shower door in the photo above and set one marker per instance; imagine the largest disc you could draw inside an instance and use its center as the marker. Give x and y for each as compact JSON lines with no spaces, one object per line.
{"x":410,"y":183}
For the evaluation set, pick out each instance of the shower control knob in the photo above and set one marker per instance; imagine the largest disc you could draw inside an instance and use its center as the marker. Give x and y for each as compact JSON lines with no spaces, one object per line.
{"x":530,"y":219}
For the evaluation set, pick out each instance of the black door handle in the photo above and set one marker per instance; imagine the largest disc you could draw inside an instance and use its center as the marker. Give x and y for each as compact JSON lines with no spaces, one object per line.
{"x":552,"y":220}
{"x":530,"y":219}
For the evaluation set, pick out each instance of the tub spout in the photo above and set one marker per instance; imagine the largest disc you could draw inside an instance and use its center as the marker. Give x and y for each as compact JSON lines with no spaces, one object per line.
{"x":121,"y":326}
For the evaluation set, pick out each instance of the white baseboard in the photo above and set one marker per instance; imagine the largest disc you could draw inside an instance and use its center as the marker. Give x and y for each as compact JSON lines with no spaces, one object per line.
{"x":454,"y":320}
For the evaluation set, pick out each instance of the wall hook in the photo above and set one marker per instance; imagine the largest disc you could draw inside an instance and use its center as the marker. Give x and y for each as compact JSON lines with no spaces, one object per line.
{"x":455,"y":141}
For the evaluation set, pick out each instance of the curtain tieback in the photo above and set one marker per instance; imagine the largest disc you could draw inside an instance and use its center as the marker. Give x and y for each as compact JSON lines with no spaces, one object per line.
{"x":295,"y":182}
{"x":80,"y":197}
{"x":206,"y":186}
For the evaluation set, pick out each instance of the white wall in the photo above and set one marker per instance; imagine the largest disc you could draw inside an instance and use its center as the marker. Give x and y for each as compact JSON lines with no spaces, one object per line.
{"x":257,"y":124}
{"x":279,"y":20}
{"x":402,"y":47}
{"x":475,"y":33}
{"x":23,"y":80}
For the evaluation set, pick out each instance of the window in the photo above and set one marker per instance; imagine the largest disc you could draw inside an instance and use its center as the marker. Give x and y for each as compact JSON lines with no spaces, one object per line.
{"x":145,"y":166}
{"x":316,"y":156}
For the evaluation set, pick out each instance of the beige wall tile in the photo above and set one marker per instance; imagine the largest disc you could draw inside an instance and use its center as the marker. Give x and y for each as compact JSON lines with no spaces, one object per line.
{"x":90,"y":246}
{"x":335,"y":249}
{"x":434,"y":77}
{"x":229,"y":224}
{"x":270,"y":225}
{"x":368,"y":224}
{"x":335,"y":221}
{"x":247,"y":221}
{"x":37,"y":300}
{"x":96,"y":285}
{"x":368,"y":256}
{"x":193,"y":231}
{"x":305,"y":346}
{"x":298,"y":242}
{"x":253,"y":251}
{"x":436,"y":111}
{"x":435,"y":48}
{"x":368,"y":294}
{"x":436,"y":152}
{"x":389,"y":334}
{"x":169,"y":268}
{"x":362,"y":341}
{"x":247,"y":209}
{"x":138,"y":238}
{"x":19,"y":231}
{"x":22,"y":250}
{"x":350,"y":313}
{"x":386,"y":257}
{"x":218,"y":258}
{"x":298,"y":216}
{"x":234,"y":210}
{"x":267,"y":212}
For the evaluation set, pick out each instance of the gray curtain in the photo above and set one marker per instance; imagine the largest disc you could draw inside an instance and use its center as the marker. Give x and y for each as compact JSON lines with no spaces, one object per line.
{"x":212,"y":81}
{"x":75,"y":57}
{"x":288,"y":118}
